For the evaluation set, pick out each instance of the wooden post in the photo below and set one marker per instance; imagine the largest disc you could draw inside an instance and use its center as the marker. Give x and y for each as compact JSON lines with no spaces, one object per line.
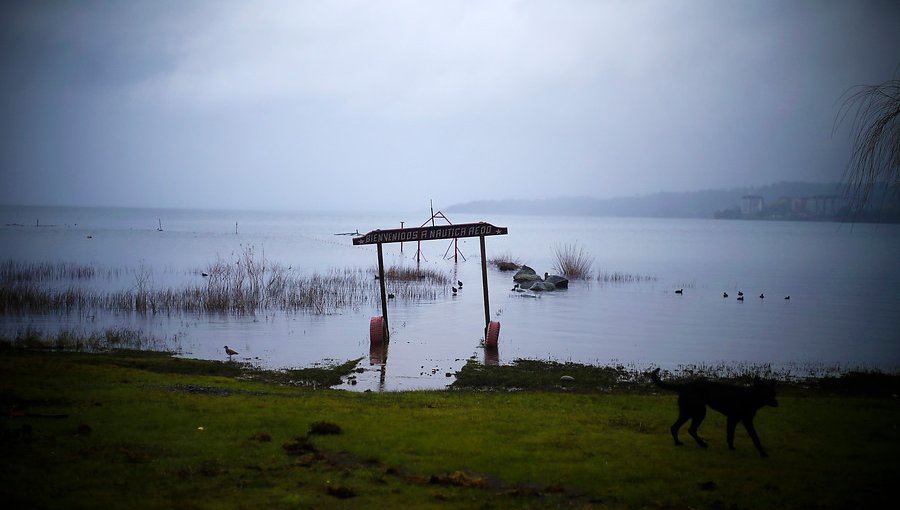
{"x":384,"y":311}
{"x":484,"y":284}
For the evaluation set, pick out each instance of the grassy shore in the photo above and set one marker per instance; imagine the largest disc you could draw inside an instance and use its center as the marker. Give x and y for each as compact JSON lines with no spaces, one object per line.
{"x":125,"y":429}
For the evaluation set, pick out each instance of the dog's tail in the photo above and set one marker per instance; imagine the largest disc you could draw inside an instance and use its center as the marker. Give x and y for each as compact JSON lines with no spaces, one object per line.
{"x":654,"y":376}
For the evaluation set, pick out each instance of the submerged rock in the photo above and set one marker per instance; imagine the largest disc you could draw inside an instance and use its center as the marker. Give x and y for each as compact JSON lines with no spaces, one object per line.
{"x":538,"y":286}
{"x":528,"y":279}
{"x":560,"y":282}
{"x":526,"y":274}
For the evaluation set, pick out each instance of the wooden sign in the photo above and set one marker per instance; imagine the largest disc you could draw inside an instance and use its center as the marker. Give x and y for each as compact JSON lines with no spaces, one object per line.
{"x":402,"y":235}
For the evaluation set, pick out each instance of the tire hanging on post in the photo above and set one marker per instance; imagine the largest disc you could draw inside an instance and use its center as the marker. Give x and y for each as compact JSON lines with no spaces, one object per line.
{"x":376,"y":330}
{"x":493,"y":334}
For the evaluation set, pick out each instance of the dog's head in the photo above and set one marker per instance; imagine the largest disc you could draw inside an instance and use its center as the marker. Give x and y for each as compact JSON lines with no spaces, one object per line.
{"x":765,"y":392}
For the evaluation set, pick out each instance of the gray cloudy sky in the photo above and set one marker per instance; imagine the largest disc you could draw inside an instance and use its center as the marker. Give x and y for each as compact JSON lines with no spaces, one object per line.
{"x":381,"y":105}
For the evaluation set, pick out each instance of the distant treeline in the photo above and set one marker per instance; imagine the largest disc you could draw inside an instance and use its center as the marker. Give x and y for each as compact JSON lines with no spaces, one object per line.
{"x":713,"y":203}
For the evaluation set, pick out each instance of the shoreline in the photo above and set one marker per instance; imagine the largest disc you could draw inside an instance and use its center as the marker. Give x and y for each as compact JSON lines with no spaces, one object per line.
{"x":518,"y":375}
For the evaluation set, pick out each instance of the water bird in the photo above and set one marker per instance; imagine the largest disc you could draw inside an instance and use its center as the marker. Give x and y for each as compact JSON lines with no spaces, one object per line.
{"x":787,"y":297}
{"x":391,"y":295}
{"x":724,"y":294}
{"x":679,"y":291}
{"x":203,"y":274}
{"x":762,"y":296}
{"x":230,"y":352}
{"x":459,"y":283}
{"x":740,"y":297}
{"x":741,"y":294}
{"x":454,"y":290}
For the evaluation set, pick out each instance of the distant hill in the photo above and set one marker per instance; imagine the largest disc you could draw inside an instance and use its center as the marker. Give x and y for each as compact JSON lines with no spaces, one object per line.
{"x":691,"y":204}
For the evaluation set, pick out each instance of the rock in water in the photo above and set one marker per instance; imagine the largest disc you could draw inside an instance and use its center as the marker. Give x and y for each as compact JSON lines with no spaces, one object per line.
{"x":526,"y":274}
{"x":541,"y":286}
{"x":559,"y":282}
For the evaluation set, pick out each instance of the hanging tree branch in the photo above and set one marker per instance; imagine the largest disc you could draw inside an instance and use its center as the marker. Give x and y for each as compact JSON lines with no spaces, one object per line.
{"x":875,"y":158}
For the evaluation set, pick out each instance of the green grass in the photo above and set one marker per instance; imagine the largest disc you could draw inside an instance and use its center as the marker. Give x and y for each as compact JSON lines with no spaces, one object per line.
{"x":147,"y":431}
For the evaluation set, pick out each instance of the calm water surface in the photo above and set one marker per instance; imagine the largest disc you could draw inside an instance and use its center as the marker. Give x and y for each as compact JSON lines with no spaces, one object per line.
{"x":843,"y":280}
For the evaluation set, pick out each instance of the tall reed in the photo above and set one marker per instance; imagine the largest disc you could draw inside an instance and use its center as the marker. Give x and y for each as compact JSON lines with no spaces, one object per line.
{"x":247,"y":284}
{"x":573,"y":262}
{"x":619,"y":277}
{"x":12,"y":272}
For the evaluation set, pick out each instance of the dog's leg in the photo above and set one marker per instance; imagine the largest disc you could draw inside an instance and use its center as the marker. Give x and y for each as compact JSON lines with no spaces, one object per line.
{"x":729,"y":428}
{"x":748,"y":424}
{"x":696,"y":420}
{"x":683,"y":417}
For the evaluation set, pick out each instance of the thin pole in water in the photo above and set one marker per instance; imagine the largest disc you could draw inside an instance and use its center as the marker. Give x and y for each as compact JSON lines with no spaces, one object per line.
{"x":384,"y":312}
{"x":484,"y":283}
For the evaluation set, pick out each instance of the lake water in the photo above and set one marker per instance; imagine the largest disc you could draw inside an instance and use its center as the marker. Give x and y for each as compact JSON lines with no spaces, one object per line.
{"x":843,"y":281}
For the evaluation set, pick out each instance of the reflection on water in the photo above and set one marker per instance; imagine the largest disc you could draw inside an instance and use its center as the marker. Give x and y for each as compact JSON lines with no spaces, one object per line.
{"x":492,"y":355}
{"x":378,"y":356}
{"x":842,"y":281}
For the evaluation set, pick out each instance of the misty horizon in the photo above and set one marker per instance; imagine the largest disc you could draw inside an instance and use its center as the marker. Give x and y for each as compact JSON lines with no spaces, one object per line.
{"x":461,"y":206}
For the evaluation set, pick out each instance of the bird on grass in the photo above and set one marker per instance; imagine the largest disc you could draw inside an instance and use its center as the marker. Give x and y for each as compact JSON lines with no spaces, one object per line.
{"x":391,"y":296}
{"x":230,"y":352}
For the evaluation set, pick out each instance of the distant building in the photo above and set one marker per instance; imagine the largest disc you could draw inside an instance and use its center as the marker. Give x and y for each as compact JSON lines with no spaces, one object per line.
{"x":825,"y":205}
{"x":751,"y":204}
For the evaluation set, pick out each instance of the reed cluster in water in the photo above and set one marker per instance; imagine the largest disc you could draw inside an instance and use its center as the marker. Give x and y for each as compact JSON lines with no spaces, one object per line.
{"x":619,"y":277}
{"x":573,"y":262}
{"x":48,"y":271}
{"x":248,"y":284}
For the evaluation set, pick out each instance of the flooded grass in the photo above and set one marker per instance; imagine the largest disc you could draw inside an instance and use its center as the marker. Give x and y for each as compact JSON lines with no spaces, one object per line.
{"x":619,"y":277}
{"x":548,"y":375}
{"x":505,"y":262}
{"x":75,"y":341}
{"x":247,"y":284}
{"x":525,"y":374}
{"x":145,"y":430}
{"x":573,"y":262}
{"x":133,"y":349}
{"x":415,"y":274}
{"x":17,"y":272}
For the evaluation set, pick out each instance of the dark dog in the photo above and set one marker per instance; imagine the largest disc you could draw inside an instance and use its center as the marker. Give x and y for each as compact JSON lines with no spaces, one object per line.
{"x":738,"y":404}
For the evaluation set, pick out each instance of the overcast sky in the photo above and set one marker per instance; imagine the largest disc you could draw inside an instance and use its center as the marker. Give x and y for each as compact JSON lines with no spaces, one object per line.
{"x":383,"y":105}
